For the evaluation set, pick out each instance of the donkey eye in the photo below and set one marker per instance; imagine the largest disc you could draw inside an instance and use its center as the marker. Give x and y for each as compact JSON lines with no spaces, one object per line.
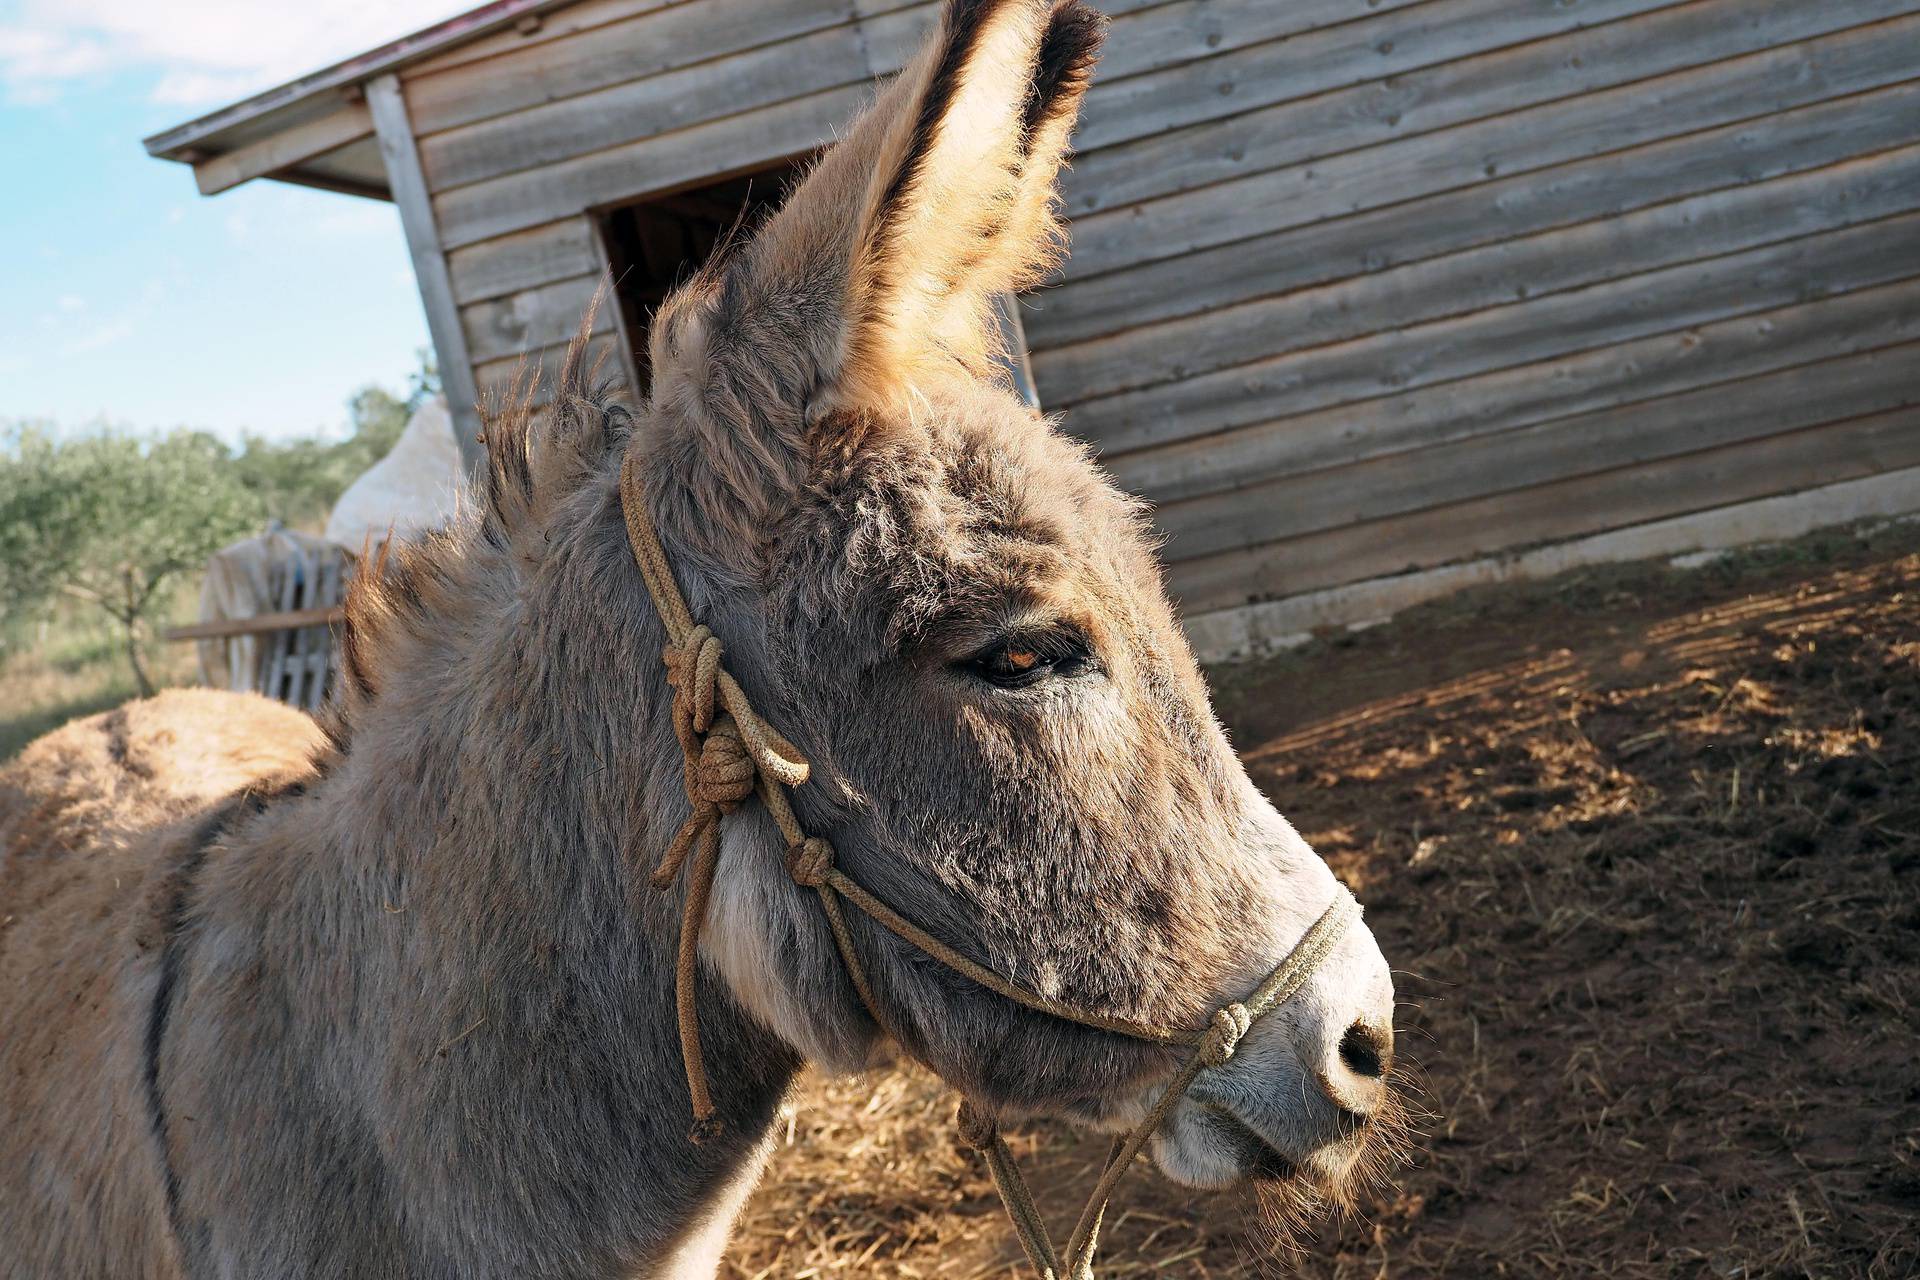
{"x":1012,"y":664}
{"x":1008,"y":665}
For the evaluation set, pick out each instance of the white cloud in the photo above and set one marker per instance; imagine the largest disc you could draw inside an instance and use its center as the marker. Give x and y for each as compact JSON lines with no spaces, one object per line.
{"x":111,"y":330}
{"x":67,"y":310}
{"x":101,"y":336}
{"x":41,"y":54}
{"x":181,"y":88}
{"x":199,"y":52}
{"x":357,"y":218}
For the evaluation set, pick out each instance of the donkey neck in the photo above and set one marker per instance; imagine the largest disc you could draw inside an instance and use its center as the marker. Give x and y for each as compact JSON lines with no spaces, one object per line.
{"x":513,"y":975}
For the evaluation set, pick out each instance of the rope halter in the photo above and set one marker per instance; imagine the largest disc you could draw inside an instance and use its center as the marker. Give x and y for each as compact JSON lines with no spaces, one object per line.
{"x":730,"y":754}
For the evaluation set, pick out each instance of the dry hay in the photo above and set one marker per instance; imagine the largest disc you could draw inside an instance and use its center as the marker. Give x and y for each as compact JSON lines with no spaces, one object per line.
{"x":1645,"y":848}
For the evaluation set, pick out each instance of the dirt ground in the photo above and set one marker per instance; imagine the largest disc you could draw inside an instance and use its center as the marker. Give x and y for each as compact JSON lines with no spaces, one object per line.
{"x":1644,"y":848}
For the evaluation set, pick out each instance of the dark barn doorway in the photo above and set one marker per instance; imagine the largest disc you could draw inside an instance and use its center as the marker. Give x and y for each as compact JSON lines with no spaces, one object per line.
{"x":654,"y":245}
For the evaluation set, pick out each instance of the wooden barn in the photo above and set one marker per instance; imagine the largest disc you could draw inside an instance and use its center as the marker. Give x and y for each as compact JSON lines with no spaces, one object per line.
{"x":1371,"y":298}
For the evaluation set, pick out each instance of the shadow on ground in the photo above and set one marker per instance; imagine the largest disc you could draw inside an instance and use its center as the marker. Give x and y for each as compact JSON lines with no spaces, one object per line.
{"x":1644,"y":847}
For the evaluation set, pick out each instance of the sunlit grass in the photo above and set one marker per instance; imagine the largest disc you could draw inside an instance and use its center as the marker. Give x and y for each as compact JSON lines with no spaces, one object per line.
{"x":74,"y":664}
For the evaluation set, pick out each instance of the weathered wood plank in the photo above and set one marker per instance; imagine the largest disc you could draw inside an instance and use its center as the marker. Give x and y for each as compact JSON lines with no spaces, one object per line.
{"x":576,"y":19}
{"x":647,"y":44}
{"x":321,"y":661}
{"x":1550,"y":134}
{"x":259,"y":623}
{"x":284,"y":149}
{"x":1503,"y":462}
{"x":578,"y":131}
{"x":558,"y":24}
{"x":1324,"y":57}
{"x":354,"y":170}
{"x":704,"y":153}
{"x":1471,"y":87}
{"x":1262,"y":626}
{"x":1325,"y":378}
{"x":1142,"y":34}
{"x":1570,"y":508}
{"x":563,"y":130}
{"x":536,"y":370}
{"x":533,"y":319}
{"x":508,"y":264}
{"x":1646,"y":368}
{"x":402,"y":158}
{"x":676,"y":99}
{"x":1799,"y":136}
{"x":610,"y":44}
{"x":578,"y":122}
{"x":281,"y":642}
{"x":1149,"y":35}
{"x":1732,"y":218}
{"x":299,"y":645}
{"x":1188,"y":31}
{"x":892,"y":38}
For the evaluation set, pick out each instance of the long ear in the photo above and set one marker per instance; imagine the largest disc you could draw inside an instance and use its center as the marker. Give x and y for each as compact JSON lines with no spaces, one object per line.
{"x":958,"y":203}
{"x":878,"y":273}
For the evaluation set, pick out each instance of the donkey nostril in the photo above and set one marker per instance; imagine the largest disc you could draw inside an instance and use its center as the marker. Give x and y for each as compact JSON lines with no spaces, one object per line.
{"x":1367,"y":1050}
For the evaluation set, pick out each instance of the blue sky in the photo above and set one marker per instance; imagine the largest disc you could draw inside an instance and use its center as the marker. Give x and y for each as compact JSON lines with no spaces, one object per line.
{"x":127,"y":296}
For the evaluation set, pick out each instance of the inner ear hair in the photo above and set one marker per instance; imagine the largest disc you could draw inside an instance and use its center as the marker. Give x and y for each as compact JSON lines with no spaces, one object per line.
{"x":1064,"y":64}
{"x":965,"y":208}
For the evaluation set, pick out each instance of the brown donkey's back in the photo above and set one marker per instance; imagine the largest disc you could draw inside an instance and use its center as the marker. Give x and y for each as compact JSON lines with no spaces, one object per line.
{"x":87,"y":816}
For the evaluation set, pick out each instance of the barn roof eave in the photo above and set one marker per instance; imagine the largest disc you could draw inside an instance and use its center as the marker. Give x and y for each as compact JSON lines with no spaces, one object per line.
{"x":297,"y":101}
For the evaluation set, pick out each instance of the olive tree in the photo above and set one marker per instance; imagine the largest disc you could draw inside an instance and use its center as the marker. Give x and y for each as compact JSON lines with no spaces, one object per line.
{"x":110,"y":518}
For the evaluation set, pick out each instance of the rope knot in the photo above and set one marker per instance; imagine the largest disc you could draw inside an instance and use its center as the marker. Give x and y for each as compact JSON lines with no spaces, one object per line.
{"x":1223,"y":1034}
{"x":809,"y":862}
{"x":974,"y":1126}
{"x":693,"y":669}
{"x":723,"y":776}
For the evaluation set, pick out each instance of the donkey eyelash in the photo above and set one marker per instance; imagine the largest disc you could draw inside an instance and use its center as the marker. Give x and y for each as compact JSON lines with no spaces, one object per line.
{"x":1015,"y":662}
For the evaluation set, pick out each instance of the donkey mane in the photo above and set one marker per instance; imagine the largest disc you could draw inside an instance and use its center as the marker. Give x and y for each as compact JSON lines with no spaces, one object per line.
{"x":540,"y":452}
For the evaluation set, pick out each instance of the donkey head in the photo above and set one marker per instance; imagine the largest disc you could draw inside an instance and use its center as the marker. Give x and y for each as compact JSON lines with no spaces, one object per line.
{"x":959,"y":619}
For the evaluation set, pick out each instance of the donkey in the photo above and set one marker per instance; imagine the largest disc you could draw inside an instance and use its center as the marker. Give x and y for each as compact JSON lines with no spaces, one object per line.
{"x":388,"y":995}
